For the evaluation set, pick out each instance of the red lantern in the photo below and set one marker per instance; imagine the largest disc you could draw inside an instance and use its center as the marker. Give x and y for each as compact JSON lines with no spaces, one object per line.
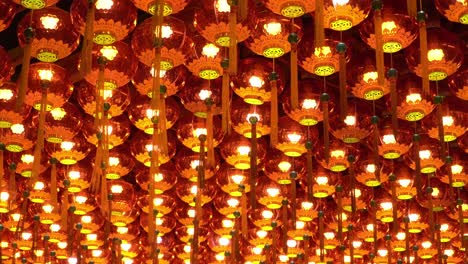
{"x":458,"y":84}
{"x":190,"y":128}
{"x":140,"y":113}
{"x":413,"y":104}
{"x":342,"y":15}
{"x":113,"y":20}
{"x":355,"y":126}
{"x":322,"y":61}
{"x":292,"y":137}
{"x":69,"y":152}
{"x":141,"y":148}
{"x":8,"y":96}
{"x":196,"y":91}
{"x":19,"y":137}
{"x":398,"y":31}
{"x":176,"y":46}
{"x":24,"y":162}
{"x":241,"y":112}
{"x":119,"y":99}
{"x":119,"y":130}
{"x":428,"y":154}
{"x":54,"y":37}
{"x":212,"y":21}
{"x":444,"y":55}
{"x":78,"y":175}
{"x":165,"y":179}
{"x":236,"y":151}
{"x":174,"y":79}
{"x":205,"y":59}
{"x":59,"y":87}
{"x":454,"y":10}
{"x":270,"y":34}
{"x":115,"y":55}
{"x":187,"y":162}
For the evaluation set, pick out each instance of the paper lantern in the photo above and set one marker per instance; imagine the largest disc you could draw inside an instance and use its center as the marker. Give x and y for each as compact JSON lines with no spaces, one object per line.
{"x":8,"y":96}
{"x":322,"y":61}
{"x":413,"y":104}
{"x":235,"y":150}
{"x":187,"y":164}
{"x":54,"y":37}
{"x":113,"y":20}
{"x":141,"y":147}
{"x":428,"y":154}
{"x":292,"y":137}
{"x":456,"y":11}
{"x":119,"y":131}
{"x":205,"y":59}
{"x":343,"y":14}
{"x":19,"y":137}
{"x":174,"y":79}
{"x":69,"y":152}
{"x":394,"y":145}
{"x":354,"y":127}
{"x":195,"y":93}
{"x":165,"y":179}
{"x":241,"y":112}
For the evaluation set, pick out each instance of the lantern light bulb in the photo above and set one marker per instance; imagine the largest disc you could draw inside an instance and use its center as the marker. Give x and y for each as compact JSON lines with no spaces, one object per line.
{"x":426,"y":244}
{"x":267,"y":214}
{"x":109,"y":52}
{"x":456,"y":169}
{"x":350,"y":120}
{"x":17,"y":129}
{"x":67,"y":145}
{"x":243,"y":150}
{"x":273,"y":28}
{"x":204,"y":94}
{"x":447,"y":120}
{"x":6,"y":94}
{"x":104,"y":4}
{"x":273,"y":192}
{"x":210,"y":50}
{"x":117,"y":189}
{"x":45,"y":75}
{"x":38,"y":186}
{"x":386,"y":205}
{"x":256,"y":81}
{"x":389,"y":139}
{"x":49,"y":21}
{"x":370,"y":76}
{"x":294,"y":137}
{"x":425,"y":154}
{"x":329,"y":235}
{"x":309,"y":104}
{"x":284,"y":166}
{"x":223,"y":6}
{"x":200,"y":131}
{"x":435,"y":55}
{"x":413,"y":98}
{"x":388,"y":27}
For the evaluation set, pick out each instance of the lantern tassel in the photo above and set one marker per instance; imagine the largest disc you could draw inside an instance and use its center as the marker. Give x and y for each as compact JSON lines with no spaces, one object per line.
{"x":87,"y":50}
{"x":423,"y":49}
{"x":393,"y":75}
{"x":40,"y":137}
{"x":379,"y":53}
{"x":431,"y":218}
{"x":293,"y":196}
{"x":339,"y":194}
{"x":294,"y":80}
{"x":310,"y":179}
{"x":412,"y":7}
{"x":244,"y":220}
{"x":53,"y":183}
{"x":274,"y":109}
{"x":319,"y":24}
{"x":375,"y":147}
{"x":326,"y":126}
{"x":461,"y":220}
{"x":440,"y":125}
{"x":321,"y":235}
{"x":24,"y":79}
{"x":64,"y":208}
{"x":209,"y":134}
{"x":2,"y":172}
{"x":352,"y":175}
{"x":243,"y":10}
{"x":285,"y":227}
{"x":417,"y":161}
{"x":225,"y":100}
{"x":201,"y":166}
{"x":253,"y":162}
{"x":163,"y":122}
{"x":154,"y":170}
{"x":12,"y":188}
{"x":394,"y":201}
{"x":233,"y":38}
{"x":342,"y":77}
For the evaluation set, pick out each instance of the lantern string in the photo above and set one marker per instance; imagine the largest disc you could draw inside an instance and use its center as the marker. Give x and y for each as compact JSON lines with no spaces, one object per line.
{"x":379,"y":53}
{"x":53,"y":183}
{"x":209,"y":134}
{"x":293,"y":39}
{"x":233,"y":37}
{"x":163,"y":121}
{"x":40,"y":135}
{"x":253,"y":162}
{"x":29,"y":34}
{"x":423,"y":52}
{"x":2,"y":172}
{"x":341,"y":48}
{"x":225,"y":97}
{"x":12,"y":188}
{"x":285,"y":227}
{"x":393,"y":75}
{"x":274,"y":107}
{"x":319,"y":24}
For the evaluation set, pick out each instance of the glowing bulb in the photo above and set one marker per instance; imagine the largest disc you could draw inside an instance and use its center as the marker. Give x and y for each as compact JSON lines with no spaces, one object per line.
{"x":243,"y":150}
{"x":194,"y":164}
{"x":389,"y":139}
{"x":272,"y":28}
{"x":199,"y":131}
{"x":449,"y":252}
{"x":357,"y":244}
{"x":227,"y":223}
{"x":291,"y":243}
{"x":413,"y":217}
{"x":309,"y":104}
{"x":166,"y":32}
{"x":456,"y":169}
{"x":204,"y":94}
{"x":62,"y":245}
{"x":16,"y":217}
{"x":435,"y":192}
{"x":444,"y":227}
{"x":116,"y":189}
{"x":47,"y":208}
{"x":322,"y":180}
{"x":74,"y":175}
{"x":72,"y":260}
{"x":370,"y":227}
{"x":158,"y":177}
{"x":448,"y":120}
{"x":382,"y":252}
{"x":322,"y":51}
{"x":67,"y":145}
{"x":122,"y":230}
{"x":96,"y":253}
{"x":350,"y":120}
{"x":109,"y":52}
{"x":371,"y":168}
{"x":237,"y":178}
{"x":106,"y":94}
{"x":193,"y":189}
{"x":300,"y":225}
{"x":162,"y":73}
{"x":55,"y":227}
{"x":257,"y":250}
{"x":81,"y":199}
{"x":27,"y":158}
{"x":187,"y":248}
{"x":17,"y":129}
{"x":223,"y":241}
{"x":435,"y":55}
{"x":329,"y":235}
{"x":232,"y":202}
{"x":307,"y":205}
{"x":223,"y":6}
{"x":191,"y":213}
{"x":413,"y":98}
{"x":386,"y":205}
{"x":404,"y":182}
{"x":388,"y":27}
{"x":256,"y":81}
{"x":426,"y":244}
{"x":86,"y":219}
{"x":114,"y":161}
{"x":6,"y":94}
{"x":252,"y":115}
{"x":337,"y":154}
{"x":4,"y":196}
{"x":158,"y":201}
{"x":26,"y":236}
{"x":104,"y":4}
{"x":425,"y":154}
{"x":340,"y":2}
{"x":38,"y":186}
{"x":370,"y":76}
{"x":261,"y":234}
{"x":58,"y":113}
{"x":210,"y":50}
{"x":284,"y":166}
{"x":401,"y":236}
{"x":49,"y":22}
{"x":273,"y":192}
{"x":284,"y":258}
{"x":294,"y":137}
{"x":267,"y":214}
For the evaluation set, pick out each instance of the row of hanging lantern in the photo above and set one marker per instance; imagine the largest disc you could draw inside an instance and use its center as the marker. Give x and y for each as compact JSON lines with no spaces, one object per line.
{"x":202,"y":184}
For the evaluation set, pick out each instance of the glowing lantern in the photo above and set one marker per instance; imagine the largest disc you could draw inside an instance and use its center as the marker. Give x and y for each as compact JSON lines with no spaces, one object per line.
{"x":187,"y":191}
{"x":187,"y":164}
{"x":195,"y":94}
{"x":176,"y":46}
{"x":270,"y":35}
{"x":19,"y":137}
{"x":205,"y":59}
{"x":241,"y":113}
{"x":264,"y":218}
{"x":53,"y":39}
{"x":428,"y":155}
{"x":235,"y":150}
{"x":173,"y":79}
{"x":78,"y":175}
{"x":8,"y":97}
{"x":165,"y":179}
{"x":338,"y":156}
{"x":69,"y":152}
{"x":292,"y":137}
{"x":322,"y":61}
{"x":163,"y":203}
{"x":456,"y":171}
{"x":233,"y":181}
{"x":444,"y":55}
{"x":141,"y":148}
{"x":454,"y":10}
{"x":24,"y":162}
{"x":169,"y":6}
{"x":290,"y":9}
{"x":118,"y":129}
{"x":113,"y":20}
{"x":270,"y":194}
{"x":393,"y":146}
{"x":413,"y":105}
{"x":452,"y":121}
{"x":190,"y":128}
{"x":355,"y":127}
{"x":398,"y":31}
{"x":365,"y":82}
{"x":324,"y":182}
{"x":341,"y":15}
{"x":366,"y":172}
{"x":279,"y":166}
